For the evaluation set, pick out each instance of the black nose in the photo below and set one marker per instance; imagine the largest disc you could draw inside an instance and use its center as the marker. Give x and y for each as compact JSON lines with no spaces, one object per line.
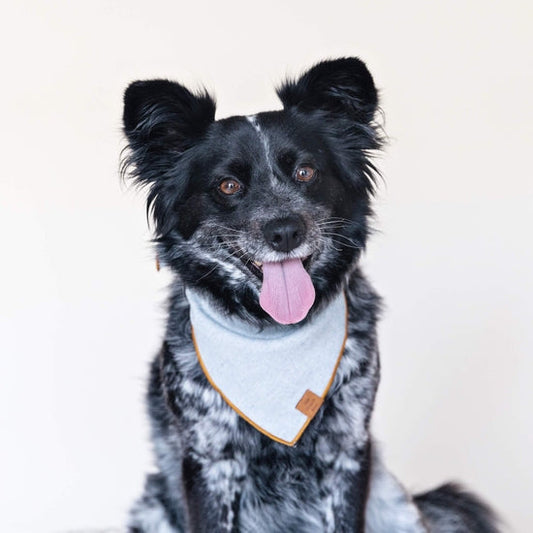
{"x":284,"y":234}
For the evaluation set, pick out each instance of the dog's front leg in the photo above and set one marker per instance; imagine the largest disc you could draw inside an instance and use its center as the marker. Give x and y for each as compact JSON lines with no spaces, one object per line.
{"x":344,"y":491}
{"x":352,"y":510}
{"x":213,"y":490}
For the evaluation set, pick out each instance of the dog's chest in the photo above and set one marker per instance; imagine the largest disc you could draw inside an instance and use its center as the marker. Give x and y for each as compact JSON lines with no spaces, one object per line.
{"x":211,"y":424}
{"x":273,"y":483}
{"x":268,"y":481}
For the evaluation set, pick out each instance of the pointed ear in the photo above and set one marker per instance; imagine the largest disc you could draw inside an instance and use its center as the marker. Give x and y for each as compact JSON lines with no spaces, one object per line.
{"x":341,"y":86}
{"x":161,"y":115}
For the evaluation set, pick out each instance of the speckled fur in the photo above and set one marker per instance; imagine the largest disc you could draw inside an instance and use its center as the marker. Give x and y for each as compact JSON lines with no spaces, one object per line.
{"x":270,"y":482}
{"x":216,"y":473}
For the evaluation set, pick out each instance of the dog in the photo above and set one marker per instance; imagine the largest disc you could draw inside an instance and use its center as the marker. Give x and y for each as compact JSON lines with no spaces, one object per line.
{"x":261,"y":396}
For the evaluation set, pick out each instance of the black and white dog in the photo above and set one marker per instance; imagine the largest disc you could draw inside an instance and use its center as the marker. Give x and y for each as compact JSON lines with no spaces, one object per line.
{"x":262,"y":393}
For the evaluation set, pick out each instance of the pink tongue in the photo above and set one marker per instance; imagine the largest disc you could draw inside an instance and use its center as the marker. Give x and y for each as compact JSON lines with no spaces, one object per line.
{"x":287,"y":293}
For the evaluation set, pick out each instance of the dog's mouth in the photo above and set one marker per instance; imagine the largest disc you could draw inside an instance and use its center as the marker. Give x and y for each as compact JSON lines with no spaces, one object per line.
{"x":287,"y":292}
{"x":256,"y":267}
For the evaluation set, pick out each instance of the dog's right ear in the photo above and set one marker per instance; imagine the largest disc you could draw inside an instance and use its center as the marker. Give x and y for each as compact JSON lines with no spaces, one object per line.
{"x":165,"y":112}
{"x":163,"y":118}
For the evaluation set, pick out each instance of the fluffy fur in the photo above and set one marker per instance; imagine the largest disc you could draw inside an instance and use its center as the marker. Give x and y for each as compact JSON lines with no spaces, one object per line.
{"x":216,"y":472}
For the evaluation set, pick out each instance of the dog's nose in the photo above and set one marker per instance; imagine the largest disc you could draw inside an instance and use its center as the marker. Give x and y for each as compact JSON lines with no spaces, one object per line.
{"x":284,"y":234}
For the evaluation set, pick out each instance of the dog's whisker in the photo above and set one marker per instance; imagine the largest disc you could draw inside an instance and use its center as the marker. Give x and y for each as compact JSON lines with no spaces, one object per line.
{"x":334,"y":220}
{"x":329,"y":243}
{"x":347,"y":241}
{"x":226,"y":228}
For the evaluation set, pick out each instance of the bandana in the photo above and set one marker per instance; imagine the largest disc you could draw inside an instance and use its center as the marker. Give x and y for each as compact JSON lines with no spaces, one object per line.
{"x":276,"y":378}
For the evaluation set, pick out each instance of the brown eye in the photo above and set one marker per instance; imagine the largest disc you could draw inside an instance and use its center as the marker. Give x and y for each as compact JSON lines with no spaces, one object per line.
{"x":305,"y":173}
{"x":229,"y":186}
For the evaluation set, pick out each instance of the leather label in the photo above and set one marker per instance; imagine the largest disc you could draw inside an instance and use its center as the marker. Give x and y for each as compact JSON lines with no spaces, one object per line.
{"x":309,"y":404}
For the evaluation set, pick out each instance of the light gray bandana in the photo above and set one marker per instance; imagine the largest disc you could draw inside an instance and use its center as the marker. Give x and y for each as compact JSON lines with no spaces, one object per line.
{"x":275,"y":378}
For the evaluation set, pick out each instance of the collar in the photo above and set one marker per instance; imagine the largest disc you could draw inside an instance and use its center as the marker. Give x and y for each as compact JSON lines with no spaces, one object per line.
{"x":275,"y":378}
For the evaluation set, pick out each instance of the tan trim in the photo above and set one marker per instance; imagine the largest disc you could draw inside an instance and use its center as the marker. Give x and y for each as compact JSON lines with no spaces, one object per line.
{"x":249,"y":420}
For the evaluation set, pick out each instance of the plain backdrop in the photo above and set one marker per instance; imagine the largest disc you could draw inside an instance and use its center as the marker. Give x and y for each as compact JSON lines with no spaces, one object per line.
{"x":82,"y":306}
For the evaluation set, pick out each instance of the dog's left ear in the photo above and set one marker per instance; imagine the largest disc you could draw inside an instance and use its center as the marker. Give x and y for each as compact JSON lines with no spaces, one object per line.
{"x":341,"y":86}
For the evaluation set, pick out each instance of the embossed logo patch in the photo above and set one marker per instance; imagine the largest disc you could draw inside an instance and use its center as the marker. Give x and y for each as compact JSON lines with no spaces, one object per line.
{"x":309,"y":404}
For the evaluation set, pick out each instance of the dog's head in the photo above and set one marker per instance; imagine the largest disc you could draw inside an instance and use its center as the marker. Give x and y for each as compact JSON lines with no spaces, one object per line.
{"x":269,"y":213}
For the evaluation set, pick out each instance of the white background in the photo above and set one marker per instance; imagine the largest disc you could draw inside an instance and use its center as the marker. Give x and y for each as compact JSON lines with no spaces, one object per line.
{"x":82,"y":305}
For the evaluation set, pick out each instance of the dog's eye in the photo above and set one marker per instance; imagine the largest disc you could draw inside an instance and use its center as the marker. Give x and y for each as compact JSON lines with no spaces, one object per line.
{"x":229,"y":186}
{"x":305,"y":173}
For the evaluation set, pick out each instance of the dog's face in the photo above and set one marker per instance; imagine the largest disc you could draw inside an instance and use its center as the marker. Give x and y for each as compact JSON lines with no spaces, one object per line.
{"x":267,"y":213}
